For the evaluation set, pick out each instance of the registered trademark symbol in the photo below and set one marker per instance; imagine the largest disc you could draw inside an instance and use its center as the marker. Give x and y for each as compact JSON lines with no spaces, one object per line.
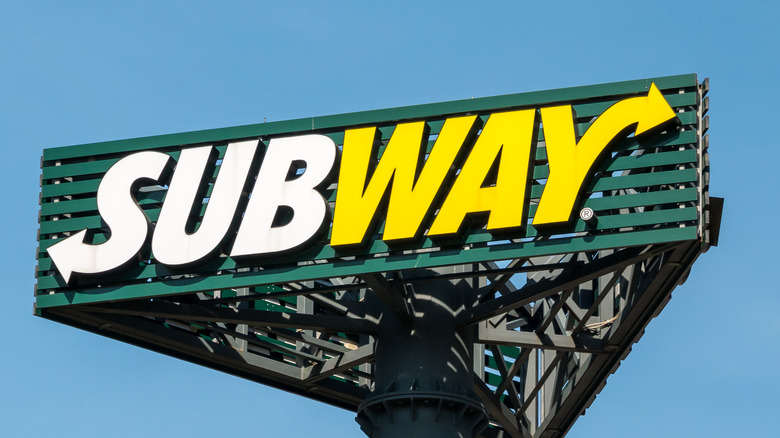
{"x":588,"y":215}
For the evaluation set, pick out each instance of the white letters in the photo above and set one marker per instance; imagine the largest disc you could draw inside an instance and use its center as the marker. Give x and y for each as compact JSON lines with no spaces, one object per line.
{"x":311,"y":157}
{"x":272,"y":190}
{"x":129,"y":225}
{"x":171,"y":244}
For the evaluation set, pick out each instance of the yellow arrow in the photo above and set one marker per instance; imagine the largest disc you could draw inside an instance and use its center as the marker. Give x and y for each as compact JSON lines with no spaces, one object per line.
{"x":572,"y":162}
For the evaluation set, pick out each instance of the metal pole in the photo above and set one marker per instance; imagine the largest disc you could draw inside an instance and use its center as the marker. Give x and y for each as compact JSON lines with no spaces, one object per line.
{"x":424,"y":370}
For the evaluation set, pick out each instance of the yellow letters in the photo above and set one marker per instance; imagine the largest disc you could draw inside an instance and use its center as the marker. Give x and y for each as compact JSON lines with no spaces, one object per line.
{"x":508,"y":137}
{"x":411,"y":197}
{"x":572,"y":162}
{"x":411,"y":185}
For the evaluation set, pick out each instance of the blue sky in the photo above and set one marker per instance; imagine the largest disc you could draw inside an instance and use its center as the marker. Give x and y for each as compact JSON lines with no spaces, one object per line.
{"x":78,"y":72}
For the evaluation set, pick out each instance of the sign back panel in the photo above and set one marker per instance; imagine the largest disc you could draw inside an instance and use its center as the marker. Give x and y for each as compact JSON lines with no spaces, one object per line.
{"x":605,"y":182}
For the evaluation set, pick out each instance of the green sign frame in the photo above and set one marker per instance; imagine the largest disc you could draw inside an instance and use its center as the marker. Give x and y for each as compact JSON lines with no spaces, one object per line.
{"x":71,"y":175}
{"x":561,"y":305}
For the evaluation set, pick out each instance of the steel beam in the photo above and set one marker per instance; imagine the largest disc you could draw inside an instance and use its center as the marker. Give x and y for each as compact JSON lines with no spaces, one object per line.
{"x":255,"y":318}
{"x":583,"y":343}
{"x":337,"y":364}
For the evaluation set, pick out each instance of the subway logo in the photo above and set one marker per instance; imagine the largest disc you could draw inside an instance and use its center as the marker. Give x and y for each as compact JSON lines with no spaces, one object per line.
{"x":269,"y":198}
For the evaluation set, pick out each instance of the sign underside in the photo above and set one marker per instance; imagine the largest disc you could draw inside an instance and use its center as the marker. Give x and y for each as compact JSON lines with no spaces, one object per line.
{"x":556,"y":308}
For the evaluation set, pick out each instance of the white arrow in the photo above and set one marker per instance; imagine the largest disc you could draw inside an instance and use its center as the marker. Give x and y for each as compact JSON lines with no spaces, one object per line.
{"x":128,"y":223}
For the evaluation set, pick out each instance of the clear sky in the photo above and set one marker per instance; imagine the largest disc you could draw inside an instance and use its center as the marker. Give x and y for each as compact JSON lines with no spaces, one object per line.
{"x":85,"y":71}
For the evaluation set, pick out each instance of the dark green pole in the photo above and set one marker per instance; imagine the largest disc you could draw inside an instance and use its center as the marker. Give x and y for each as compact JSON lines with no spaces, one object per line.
{"x":424,"y":370}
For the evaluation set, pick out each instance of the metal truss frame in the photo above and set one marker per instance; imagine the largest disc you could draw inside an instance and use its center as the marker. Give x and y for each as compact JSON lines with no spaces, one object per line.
{"x":548,"y":330}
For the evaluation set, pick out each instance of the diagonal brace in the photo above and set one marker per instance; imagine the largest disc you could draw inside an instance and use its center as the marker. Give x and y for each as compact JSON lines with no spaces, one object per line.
{"x":584,"y":344}
{"x":337,"y":364}
{"x":568,"y":280}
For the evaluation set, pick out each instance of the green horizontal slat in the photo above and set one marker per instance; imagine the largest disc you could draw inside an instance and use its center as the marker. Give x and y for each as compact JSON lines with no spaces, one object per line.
{"x":671,"y":139}
{"x":633,"y":220}
{"x":86,"y":186}
{"x":98,"y":166}
{"x":350,"y":268}
{"x":685,"y":99}
{"x":642,"y":199}
{"x":630,"y":144}
{"x":44,"y":244}
{"x":582,"y":128}
{"x":597,"y":108}
{"x":634,"y":162}
{"x":644,"y":180}
{"x":651,"y":160}
{"x":632,"y":181}
{"x":70,"y":188}
{"x":94,"y":221}
{"x":83,"y":168}
{"x":75,"y":206}
{"x":637,"y":199}
{"x":687,"y":117}
{"x":90,"y":204}
{"x":77,"y":224}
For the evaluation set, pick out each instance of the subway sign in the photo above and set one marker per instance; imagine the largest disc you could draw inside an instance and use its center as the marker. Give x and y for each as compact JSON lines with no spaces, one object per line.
{"x":416,"y":187}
